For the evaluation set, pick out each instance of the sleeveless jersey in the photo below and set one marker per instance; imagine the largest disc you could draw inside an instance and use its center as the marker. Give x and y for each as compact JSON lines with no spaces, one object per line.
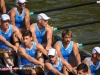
{"x":66,"y":52}
{"x":93,"y":67}
{"x":39,"y":33}
{"x":19,"y":18}
{"x":32,"y":52}
{"x":7,"y":36}
{"x":59,"y":67}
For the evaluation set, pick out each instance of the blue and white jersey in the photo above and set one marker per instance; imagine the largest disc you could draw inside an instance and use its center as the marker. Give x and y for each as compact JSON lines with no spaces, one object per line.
{"x":7,"y":36}
{"x":40,"y":33}
{"x":19,"y":18}
{"x":32,"y":52}
{"x":66,"y":51}
{"x":93,"y":67}
{"x":59,"y":67}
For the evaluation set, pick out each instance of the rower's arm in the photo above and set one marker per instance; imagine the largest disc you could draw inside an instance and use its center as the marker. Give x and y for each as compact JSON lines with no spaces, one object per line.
{"x":49,"y":36}
{"x":3,"y":6}
{"x":40,"y":48}
{"x":57,"y":47}
{"x":88,"y":64}
{"x":21,"y":52}
{"x":68,"y":66}
{"x":76,"y":53}
{"x":27,"y":19}
{"x":7,"y":43}
{"x":49,"y":67}
{"x":33,"y":29}
{"x":12,"y":14}
{"x":17,"y":32}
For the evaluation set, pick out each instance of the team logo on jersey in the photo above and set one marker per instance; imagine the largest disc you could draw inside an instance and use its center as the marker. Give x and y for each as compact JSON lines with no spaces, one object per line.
{"x":9,"y":34}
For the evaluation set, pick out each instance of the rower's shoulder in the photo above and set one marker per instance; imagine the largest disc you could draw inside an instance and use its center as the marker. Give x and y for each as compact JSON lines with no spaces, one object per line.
{"x":26,"y":10}
{"x":12,"y":11}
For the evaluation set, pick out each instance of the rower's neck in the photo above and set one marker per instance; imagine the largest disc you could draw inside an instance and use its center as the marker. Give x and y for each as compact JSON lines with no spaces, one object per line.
{"x":19,"y":10}
{"x":94,"y":60}
{"x":29,"y":46}
{"x":40,"y":26}
{"x":4,"y":29}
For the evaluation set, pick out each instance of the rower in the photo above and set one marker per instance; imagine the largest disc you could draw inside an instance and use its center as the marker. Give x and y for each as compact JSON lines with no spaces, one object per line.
{"x":54,"y":65}
{"x":30,"y":53}
{"x":7,"y":30}
{"x":19,"y":15}
{"x":42,"y":31}
{"x":93,"y":62}
{"x":65,"y":47}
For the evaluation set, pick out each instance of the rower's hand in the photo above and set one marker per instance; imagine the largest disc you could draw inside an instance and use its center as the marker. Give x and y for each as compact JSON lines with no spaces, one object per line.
{"x":42,"y":64}
{"x":15,"y":48}
{"x":48,"y":47}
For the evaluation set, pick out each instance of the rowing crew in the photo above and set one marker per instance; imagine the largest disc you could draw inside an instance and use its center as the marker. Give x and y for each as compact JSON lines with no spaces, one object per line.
{"x":36,"y":44}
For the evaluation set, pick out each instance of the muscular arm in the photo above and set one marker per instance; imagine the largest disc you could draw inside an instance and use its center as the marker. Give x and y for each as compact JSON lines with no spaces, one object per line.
{"x":12,"y":14}
{"x":49,"y":67}
{"x":40,"y":48}
{"x":49,"y":35}
{"x":17,"y":32}
{"x":76,"y":53}
{"x":3,"y":6}
{"x":27,"y":19}
{"x":21,"y":52}
{"x":33,"y":29}
{"x":57,"y":47}
{"x":68,"y":66}
{"x":6,"y":42}
{"x":88,"y":64}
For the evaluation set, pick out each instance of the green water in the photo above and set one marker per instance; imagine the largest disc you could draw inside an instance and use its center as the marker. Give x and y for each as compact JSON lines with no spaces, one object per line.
{"x":88,"y":13}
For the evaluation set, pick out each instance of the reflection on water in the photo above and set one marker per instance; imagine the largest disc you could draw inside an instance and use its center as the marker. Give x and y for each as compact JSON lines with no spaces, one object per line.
{"x":71,"y":16}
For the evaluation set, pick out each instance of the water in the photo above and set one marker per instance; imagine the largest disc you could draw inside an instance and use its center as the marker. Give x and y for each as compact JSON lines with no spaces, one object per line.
{"x":88,"y":13}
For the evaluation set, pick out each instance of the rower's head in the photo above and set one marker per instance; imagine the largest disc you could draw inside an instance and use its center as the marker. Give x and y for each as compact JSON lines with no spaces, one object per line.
{"x":5,"y":20}
{"x":96,"y":53}
{"x":43,"y":19}
{"x":20,"y":3}
{"x":52,"y":53}
{"x":82,"y":69}
{"x":66,"y":36}
{"x":27,"y":37}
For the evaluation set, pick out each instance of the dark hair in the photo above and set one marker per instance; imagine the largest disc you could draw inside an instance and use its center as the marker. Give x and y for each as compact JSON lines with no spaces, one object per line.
{"x":27,"y":33}
{"x":68,"y":32}
{"x":82,"y":67}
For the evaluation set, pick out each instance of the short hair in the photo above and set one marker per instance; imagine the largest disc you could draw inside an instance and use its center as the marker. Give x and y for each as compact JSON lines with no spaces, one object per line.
{"x":82,"y":67}
{"x":68,"y":32}
{"x":27,"y":33}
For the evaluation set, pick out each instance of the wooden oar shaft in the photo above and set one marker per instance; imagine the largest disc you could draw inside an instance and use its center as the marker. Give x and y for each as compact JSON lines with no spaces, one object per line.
{"x":61,"y":8}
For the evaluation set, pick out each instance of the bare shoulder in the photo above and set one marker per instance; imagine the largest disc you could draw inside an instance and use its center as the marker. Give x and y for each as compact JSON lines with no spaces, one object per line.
{"x":75,"y":44}
{"x":27,"y":11}
{"x":57,"y":44}
{"x":32,"y":27}
{"x":86,"y":61}
{"x":49,"y":28}
{"x":12,"y":11}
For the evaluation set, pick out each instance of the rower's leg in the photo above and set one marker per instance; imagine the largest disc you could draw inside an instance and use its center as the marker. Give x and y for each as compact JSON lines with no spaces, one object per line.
{"x":33,"y":72}
{"x":8,"y":60}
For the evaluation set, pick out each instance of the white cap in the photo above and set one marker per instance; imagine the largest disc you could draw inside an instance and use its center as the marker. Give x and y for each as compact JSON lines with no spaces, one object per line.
{"x":96,"y":50}
{"x":52,"y":52}
{"x":43,"y":17}
{"x":21,"y":1}
{"x":5,"y":17}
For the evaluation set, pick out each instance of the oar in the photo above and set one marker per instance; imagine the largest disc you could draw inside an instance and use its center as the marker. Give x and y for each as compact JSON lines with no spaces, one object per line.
{"x":88,"y":43}
{"x":65,"y":7}
{"x":76,"y":25}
